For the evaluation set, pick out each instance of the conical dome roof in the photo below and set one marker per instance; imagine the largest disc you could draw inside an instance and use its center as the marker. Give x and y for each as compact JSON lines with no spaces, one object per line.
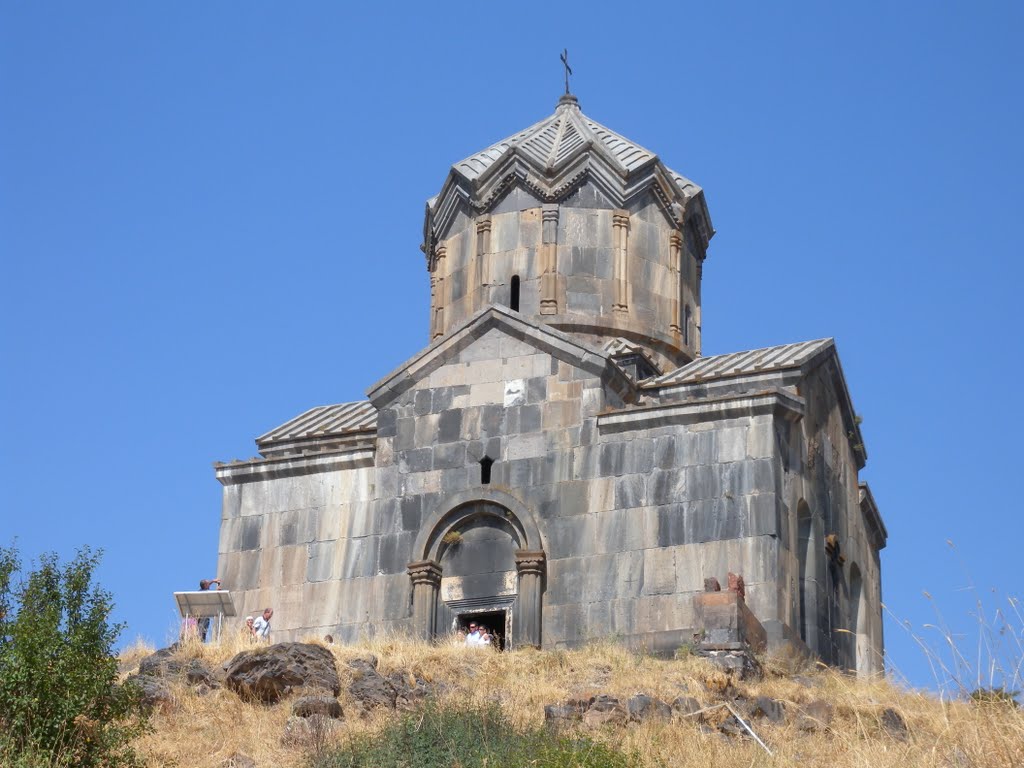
{"x":554,"y":157}
{"x":556,"y":140}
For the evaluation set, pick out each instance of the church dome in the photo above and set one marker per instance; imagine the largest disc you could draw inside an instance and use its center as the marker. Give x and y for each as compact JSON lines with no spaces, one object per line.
{"x":556,"y":155}
{"x":574,"y":226}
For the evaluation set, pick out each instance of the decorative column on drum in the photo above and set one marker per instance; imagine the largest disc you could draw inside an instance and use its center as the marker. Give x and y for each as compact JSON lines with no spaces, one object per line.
{"x":440,"y":265}
{"x":530,"y":565}
{"x":620,"y":241}
{"x":426,"y":583}
{"x":675,"y":249}
{"x":549,"y":260}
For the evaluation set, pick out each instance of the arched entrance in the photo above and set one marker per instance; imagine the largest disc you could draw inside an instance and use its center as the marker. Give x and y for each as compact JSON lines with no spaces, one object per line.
{"x":479,"y":557}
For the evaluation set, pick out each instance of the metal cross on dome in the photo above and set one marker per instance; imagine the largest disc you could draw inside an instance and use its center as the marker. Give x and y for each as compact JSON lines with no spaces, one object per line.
{"x":568,"y":70}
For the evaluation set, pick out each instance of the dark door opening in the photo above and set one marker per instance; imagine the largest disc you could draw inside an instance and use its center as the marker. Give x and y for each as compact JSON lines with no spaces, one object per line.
{"x":492,"y":621}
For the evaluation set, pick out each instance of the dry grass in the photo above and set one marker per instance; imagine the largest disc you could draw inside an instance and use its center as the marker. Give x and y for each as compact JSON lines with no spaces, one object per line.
{"x":205,"y":730}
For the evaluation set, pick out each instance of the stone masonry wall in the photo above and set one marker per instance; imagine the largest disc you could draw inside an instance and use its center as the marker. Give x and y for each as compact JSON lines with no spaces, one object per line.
{"x":658,"y":295}
{"x":823,"y":472}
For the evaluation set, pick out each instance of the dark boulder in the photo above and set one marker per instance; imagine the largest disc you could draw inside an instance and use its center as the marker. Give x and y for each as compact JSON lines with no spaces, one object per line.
{"x":604,"y":710}
{"x":153,"y":691}
{"x":369,"y":687}
{"x":815,"y":716}
{"x":687,"y":706}
{"x":892,"y":722}
{"x":270,"y":674}
{"x":643,"y":707}
{"x":769,"y":709}
{"x":168,"y":663}
{"x":561,"y":714}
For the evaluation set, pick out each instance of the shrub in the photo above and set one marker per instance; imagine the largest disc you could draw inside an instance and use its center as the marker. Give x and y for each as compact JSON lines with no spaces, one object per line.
{"x":443,"y":736}
{"x":60,"y":702}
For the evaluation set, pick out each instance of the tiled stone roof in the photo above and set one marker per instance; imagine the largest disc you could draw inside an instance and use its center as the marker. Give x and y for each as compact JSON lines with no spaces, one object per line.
{"x":321,"y":423}
{"x":743,"y":363}
{"x":558,"y":139}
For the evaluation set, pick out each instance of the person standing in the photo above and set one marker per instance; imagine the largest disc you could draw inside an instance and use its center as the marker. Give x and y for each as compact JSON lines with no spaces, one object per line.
{"x":261,"y":627}
{"x":203,"y":625}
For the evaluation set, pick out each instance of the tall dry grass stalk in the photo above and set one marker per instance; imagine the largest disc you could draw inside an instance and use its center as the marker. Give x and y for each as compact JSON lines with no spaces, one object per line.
{"x":204,"y":730}
{"x":984,"y":661}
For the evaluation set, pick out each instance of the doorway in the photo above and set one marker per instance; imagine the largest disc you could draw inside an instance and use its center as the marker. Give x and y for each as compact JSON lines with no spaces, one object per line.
{"x":496,"y":622}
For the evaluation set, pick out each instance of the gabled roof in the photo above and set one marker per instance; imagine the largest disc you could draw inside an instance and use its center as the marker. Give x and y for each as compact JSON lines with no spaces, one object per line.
{"x":744,"y":363}
{"x":543,"y":337}
{"x":323,"y":424}
{"x":552,"y":158}
{"x":799,"y":358}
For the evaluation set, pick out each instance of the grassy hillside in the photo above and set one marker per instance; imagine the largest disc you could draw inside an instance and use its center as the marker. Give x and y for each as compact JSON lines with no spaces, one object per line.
{"x":205,"y":727}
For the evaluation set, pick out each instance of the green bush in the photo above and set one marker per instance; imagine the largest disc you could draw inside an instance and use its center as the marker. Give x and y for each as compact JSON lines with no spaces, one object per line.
{"x":441,"y":737}
{"x":60,"y":701}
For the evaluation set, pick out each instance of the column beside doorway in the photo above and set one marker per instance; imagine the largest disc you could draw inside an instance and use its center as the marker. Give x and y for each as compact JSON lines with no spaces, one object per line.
{"x":530,"y":567}
{"x":426,"y":584}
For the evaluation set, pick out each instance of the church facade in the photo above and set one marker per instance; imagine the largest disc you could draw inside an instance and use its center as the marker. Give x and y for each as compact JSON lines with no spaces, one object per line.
{"x":561,"y":461}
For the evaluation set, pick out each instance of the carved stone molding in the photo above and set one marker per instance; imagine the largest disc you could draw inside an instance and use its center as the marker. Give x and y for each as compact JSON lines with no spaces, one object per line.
{"x":424,"y":572}
{"x":530,"y":562}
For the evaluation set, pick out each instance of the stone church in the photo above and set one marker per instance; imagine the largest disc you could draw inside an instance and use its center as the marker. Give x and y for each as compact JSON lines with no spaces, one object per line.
{"x":561,"y":462}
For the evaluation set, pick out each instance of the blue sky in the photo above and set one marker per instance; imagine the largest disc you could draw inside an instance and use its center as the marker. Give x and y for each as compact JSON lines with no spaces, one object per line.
{"x":210,"y":216}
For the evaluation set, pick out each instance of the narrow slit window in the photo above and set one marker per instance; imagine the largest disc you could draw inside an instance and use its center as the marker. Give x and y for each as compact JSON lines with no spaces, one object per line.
{"x":485,"y":470}
{"x":514,"y":294}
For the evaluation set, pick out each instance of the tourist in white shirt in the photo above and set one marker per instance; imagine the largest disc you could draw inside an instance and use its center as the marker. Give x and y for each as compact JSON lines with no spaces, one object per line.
{"x":261,"y":627}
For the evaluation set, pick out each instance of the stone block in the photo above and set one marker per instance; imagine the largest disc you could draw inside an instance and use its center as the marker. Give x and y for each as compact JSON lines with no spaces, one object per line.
{"x":394,"y":553}
{"x":411,"y":510}
{"x":640,"y":455}
{"x":489,"y":393}
{"x":449,"y":426}
{"x":565,"y":582}
{"x":449,"y":456}
{"x":421,"y":402}
{"x":724,"y":619}
{"x":667,"y":486}
{"x":731,"y":444}
{"x":703,"y":482}
{"x":659,"y":572}
{"x":417,"y":460}
{"x":526,"y":447}
{"x":761,"y":440}
{"x":559,"y":415}
{"x":696,"y":448}
{"x":671,"y":524}
{"x":665,"y":452}
{"x":293,"y":564}
{"x":250,"y":535}
{"x":323,"y":563}
{"x":612,"y":459}
{"x":537,"y":388}
{"x":570,"y":536}
{"x":426,"y":429}
{"x":630,"y":491}
{"x":620,"y":530}
{"x":745,"y":477}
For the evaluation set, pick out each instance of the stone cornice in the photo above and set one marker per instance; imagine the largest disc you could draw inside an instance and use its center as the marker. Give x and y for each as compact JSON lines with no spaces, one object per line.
{"x":773,"y":402}
{"x":589,"y":165}
{"x":291,"y":466}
